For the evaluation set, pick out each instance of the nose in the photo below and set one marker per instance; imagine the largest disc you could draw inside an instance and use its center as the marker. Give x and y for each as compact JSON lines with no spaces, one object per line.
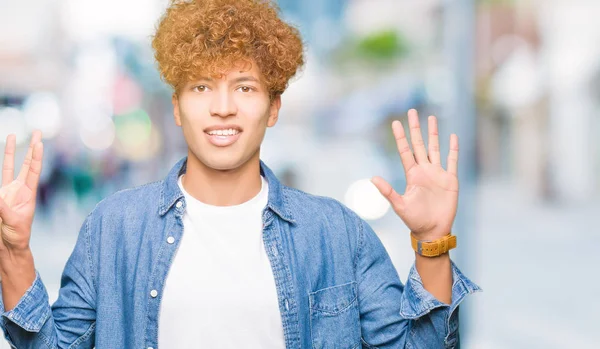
{"x":222,"y":104}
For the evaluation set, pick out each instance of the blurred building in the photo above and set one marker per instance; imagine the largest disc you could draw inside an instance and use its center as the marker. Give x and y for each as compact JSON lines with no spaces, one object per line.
{"x":538,"y":109}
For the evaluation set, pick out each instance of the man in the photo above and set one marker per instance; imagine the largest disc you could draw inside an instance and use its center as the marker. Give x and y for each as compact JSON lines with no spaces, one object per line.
{"x":220,"y":254}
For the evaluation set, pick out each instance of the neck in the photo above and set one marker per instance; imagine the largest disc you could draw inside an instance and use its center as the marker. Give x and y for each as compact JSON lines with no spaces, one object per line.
{"x":222,"y":187}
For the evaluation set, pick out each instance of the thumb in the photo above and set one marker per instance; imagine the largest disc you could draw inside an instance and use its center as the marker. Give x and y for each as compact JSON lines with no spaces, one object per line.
{"x":388,"y":192}
{"x":7,"y":215}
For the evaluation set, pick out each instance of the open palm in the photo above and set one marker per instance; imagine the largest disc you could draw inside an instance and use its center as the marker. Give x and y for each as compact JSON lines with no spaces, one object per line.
{"x":428,"y":205}
{"x":17,"y":196}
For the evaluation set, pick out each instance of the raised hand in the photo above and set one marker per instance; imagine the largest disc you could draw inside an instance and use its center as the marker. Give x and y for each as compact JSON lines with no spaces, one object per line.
{"x":17,"y":196}
{"x":428,"y":205}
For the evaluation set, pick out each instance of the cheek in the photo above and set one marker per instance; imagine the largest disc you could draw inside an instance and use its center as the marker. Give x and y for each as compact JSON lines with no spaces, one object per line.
{"x":193,"y":117}
{"x":192,"y":108}
{"x":255,"y":110}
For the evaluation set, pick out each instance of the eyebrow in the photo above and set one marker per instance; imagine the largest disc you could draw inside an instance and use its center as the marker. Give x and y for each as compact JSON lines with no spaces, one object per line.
{"x":245,"y":79}
{"x":236,"y":80}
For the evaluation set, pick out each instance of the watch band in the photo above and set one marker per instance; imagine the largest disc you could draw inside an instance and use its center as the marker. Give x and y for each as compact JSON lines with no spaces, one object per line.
{"x":427,"y":248}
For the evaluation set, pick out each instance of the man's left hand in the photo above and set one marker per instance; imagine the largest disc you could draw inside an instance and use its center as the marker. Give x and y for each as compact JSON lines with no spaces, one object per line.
{"x":428,"y":205}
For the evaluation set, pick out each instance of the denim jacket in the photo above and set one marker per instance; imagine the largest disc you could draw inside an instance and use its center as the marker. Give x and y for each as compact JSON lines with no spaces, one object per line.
{"x":336,"y":285}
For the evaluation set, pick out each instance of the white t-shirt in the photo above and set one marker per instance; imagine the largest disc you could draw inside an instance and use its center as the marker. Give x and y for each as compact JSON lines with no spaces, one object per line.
{"x":220,"y":291}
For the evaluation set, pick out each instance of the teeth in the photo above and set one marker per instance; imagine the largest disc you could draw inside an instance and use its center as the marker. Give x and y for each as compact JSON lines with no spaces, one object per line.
{"x":229,"y":132}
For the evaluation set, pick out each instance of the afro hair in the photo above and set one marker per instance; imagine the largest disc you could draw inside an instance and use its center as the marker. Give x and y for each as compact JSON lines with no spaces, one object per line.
{"x":208,"y":37}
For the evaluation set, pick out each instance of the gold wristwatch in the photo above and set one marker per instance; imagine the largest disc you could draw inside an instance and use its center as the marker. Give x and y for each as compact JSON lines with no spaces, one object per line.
{"x":427,"y":248}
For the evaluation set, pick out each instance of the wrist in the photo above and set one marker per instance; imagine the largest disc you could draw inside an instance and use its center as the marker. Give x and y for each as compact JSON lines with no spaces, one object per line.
{"x":15,"y":262}
{"x":432,"y":264}
{"x":441,"y":259}
{"x":431,"y":235}
{"x":17,"y":273}
{"x":436,"y":275}
{"x":433,"y":247}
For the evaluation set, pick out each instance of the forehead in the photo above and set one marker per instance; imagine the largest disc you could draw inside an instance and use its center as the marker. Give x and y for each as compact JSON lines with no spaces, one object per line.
{"x":238,"y":70}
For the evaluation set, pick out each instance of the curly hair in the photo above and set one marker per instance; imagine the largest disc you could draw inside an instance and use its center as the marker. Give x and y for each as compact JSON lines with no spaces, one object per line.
{"x":208,"y":37}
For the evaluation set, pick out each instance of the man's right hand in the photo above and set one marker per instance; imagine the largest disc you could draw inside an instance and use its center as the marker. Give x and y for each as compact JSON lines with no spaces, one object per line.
{"x":17,"y":207}
{"x":18,"y":196}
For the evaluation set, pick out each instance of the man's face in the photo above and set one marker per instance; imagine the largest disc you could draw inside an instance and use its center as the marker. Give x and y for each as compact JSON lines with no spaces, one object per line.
{"x":224,"y":120}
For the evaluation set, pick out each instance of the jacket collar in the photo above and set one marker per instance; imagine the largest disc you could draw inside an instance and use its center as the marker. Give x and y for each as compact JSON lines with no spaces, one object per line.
{"x":170,"y":192}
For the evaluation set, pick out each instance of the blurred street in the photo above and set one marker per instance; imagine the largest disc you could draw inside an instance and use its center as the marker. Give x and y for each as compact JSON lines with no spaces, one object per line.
{"x":538,"y":267}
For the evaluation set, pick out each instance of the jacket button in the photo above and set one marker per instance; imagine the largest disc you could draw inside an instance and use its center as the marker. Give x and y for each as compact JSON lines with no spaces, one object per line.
{"x":170,"y":240}
{"x":153,"y":293}
{"x":179,"y":204}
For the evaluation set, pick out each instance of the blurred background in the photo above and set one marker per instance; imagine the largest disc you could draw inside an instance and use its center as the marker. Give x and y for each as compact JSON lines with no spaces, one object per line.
{"x":518,"y":81}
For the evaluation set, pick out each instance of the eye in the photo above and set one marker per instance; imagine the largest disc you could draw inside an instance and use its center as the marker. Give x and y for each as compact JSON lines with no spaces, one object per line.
{"x":199,"y":88}
{"x":245,"y":89}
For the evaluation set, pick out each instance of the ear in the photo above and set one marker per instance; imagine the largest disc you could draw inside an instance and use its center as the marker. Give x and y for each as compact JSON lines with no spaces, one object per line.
{"x":274,"y":111}
{"x":176,"y":115}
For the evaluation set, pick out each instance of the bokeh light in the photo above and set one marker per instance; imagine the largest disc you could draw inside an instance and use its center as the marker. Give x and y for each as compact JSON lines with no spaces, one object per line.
{"x":137,"y":139}
{"x":133,"y":129}
{"x":141,"y":151}
{"x":12,"y":121}
{"x":98,"y":133}
{"x":42,"y":112}
{"x":366,"y":200}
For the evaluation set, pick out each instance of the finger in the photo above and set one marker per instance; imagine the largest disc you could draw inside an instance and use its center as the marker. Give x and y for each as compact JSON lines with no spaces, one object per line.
{"x":434,"y":141}
{"x":7,"y":214}
{"x":33,"y":175}
{"x":453,"y":155}
{"x":388,"y":192}
{"x":35,"y":138}
{"x":408,"y":160}
{"x":8,"y":166}
{"x":416,"y":138}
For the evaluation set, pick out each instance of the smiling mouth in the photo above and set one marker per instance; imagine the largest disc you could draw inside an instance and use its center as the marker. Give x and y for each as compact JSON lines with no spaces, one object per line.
{"x":223,"y":133}
{"x":223,"y":138}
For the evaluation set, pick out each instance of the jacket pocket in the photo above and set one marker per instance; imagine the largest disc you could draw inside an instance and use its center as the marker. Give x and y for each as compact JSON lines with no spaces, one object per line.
{"x":334,"y":317}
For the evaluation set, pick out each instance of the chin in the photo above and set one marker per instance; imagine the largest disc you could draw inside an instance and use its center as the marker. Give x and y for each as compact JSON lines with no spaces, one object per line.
{"x":223,"y":160}
{"x":221,"y":163}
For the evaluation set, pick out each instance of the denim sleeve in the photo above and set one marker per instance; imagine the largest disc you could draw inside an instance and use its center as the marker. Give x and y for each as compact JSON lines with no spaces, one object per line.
{"x":394,"y":315}
{"x":70,"y":322}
